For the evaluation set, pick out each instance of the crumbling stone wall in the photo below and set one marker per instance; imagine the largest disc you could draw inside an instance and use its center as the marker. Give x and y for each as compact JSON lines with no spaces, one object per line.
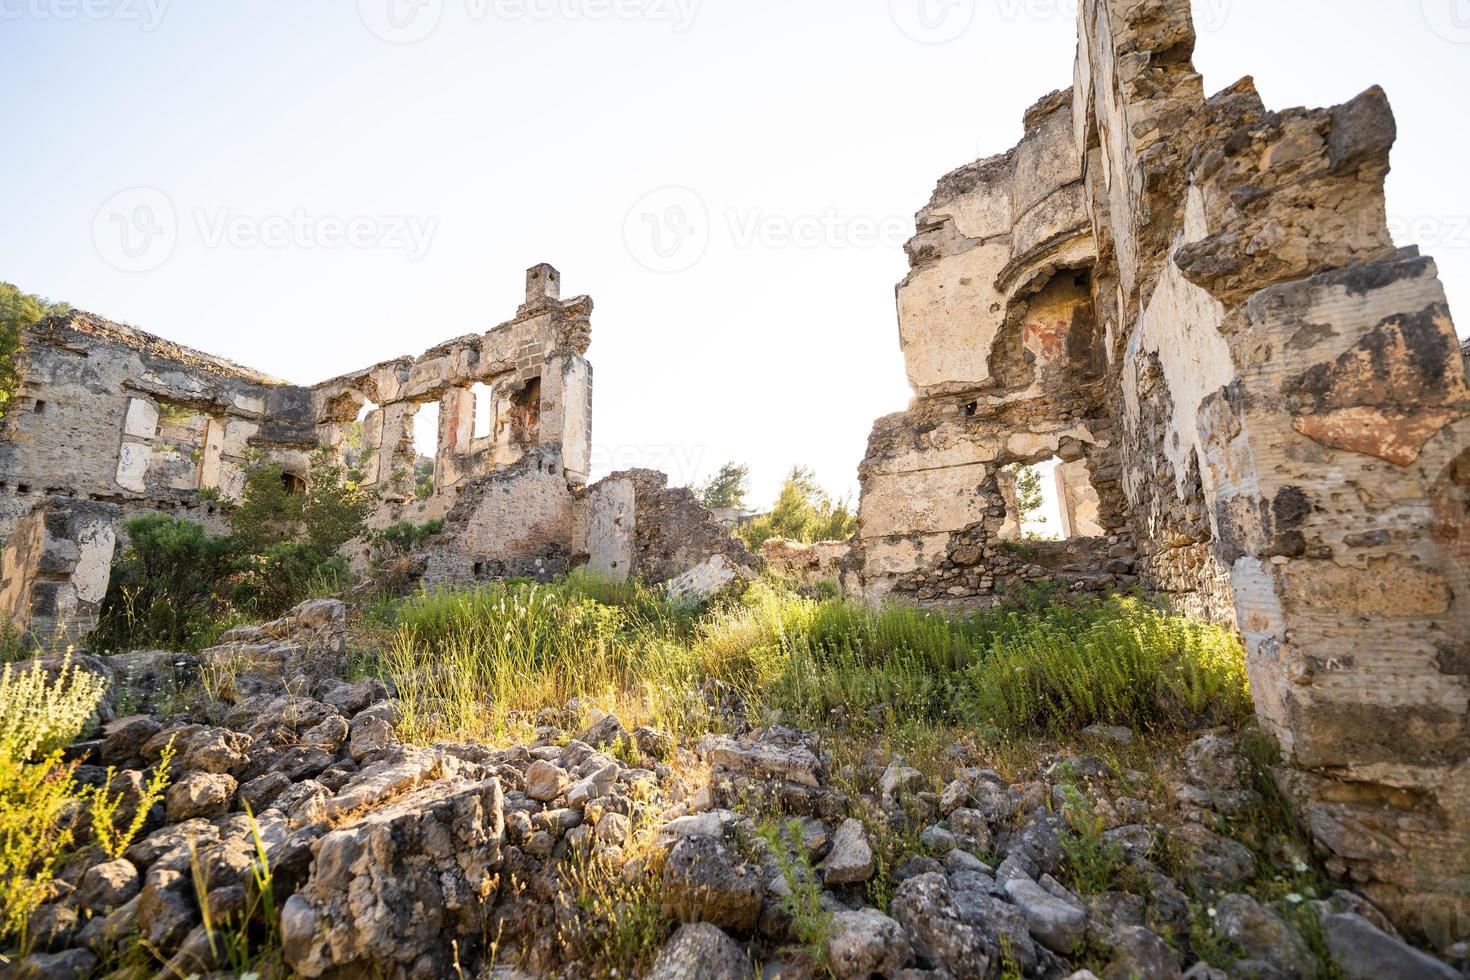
{"x":55,"y":569}
{"x":1005,"y":353}
{"x":108,"y":413}
{"x":1270,"y":399}
{"x":637,"y":526}
{"x":541,"y":389}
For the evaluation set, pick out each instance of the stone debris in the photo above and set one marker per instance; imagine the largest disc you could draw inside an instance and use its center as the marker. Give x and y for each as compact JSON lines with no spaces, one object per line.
{"x":396,"y":861}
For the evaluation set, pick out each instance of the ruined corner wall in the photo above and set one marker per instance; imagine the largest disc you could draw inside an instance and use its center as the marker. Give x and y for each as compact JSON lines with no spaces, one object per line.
{"x":1006,"y":356}
{"x":1271,"y":400}
{"x":636,"y":526}
{"x":55,"y":569}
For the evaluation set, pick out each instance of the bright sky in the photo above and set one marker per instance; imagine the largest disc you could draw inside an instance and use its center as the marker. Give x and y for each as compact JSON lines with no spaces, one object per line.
{"x":309,"y":188}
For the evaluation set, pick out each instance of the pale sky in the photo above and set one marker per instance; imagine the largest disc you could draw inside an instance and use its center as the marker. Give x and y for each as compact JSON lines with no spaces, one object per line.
{"x":309,"y":188}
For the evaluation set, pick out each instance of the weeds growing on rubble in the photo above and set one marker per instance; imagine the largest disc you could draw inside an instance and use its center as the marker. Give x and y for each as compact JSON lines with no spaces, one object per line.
{"x":482,"y":662}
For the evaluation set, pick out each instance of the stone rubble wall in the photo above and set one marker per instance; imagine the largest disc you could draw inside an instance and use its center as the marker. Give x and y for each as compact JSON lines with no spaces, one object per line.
{"x":108,"y":413}
{"x":55,"y":569}
{"x":638,"y":527}
{"x":1200,"y":298}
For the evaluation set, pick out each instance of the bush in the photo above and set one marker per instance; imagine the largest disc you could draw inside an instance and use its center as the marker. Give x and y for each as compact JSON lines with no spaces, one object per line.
{"x":165,"y":588}
{"x":287,"y":541}
{"x":177,"y":587}
{"x":38,"y":716}
{"x":804,"y":513}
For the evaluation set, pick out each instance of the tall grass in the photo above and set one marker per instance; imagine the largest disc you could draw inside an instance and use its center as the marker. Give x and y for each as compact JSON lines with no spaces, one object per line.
{"x":483,"y":662}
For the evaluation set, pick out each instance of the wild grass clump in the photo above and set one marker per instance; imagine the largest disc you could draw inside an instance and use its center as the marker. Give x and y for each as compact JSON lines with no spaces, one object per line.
{"x":482,"y":662}
{"x":1119,"y":662}
{"x":38,"y":716}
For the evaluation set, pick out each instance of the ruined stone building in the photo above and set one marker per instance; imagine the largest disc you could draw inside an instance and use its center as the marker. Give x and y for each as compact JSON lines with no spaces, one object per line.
{"x":1259,"y":404}
{"x":1256,"y":400}
{"x":110,"y":421}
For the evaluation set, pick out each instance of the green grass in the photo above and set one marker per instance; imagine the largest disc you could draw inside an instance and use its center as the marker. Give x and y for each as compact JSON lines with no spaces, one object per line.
{"x":481,"y":662}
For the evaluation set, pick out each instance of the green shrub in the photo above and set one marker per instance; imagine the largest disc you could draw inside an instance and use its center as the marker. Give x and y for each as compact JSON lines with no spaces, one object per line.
{"x":39,"y":715}
{"x":288,"y":540}
{"x":166,"y":587}
{"x":804,"y":513}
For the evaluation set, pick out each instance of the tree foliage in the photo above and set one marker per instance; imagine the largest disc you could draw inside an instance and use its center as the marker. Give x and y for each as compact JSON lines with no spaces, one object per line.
{"x":1028,"y":495}
{"x":18,"y":310}
{"x":727,"y":488}
{"x":288,"y":537}
{"x":165,"y":586}
{"x":175,"y":586}
{"x":804,"y":513}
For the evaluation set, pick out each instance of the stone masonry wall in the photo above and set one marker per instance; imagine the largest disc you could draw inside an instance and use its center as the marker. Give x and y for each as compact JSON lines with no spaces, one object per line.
{"x":54,"y":573}
{"x":108,"y":413}
{"x":1200,"y":297}
{"x":637,"y":526}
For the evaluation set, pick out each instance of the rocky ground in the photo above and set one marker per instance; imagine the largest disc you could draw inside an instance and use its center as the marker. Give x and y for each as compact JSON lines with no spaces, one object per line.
{"x":299,"y":835}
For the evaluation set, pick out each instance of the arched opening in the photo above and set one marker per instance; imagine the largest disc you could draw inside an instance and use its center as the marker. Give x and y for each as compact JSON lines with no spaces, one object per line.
{"x":293,"y":484}
{"x":360,"y":440}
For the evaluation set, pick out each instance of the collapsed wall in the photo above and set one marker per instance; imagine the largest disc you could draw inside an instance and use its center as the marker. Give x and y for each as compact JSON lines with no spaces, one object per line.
{"x":1195,"y":303}
{"x":110,"y":422}
{"x":638,"y":527}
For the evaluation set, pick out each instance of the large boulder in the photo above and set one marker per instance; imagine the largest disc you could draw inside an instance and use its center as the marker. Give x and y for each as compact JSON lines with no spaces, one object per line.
{"x":704,"y":881}
{"x":392,"y":890}
{"x":1363,"y":951}
{"x":700,"y":951}
{"x":864,"y":943}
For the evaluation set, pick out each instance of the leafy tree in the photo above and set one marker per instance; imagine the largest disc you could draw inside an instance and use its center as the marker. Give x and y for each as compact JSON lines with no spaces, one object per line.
{"x":804,"y":513}
{"x":18,"y":310}
{"x":727,"y":488}
{"x":423,"y":473}
{"x":165,"y":588}
{"x":288,"y":537}
{"x":1029,"y":501}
